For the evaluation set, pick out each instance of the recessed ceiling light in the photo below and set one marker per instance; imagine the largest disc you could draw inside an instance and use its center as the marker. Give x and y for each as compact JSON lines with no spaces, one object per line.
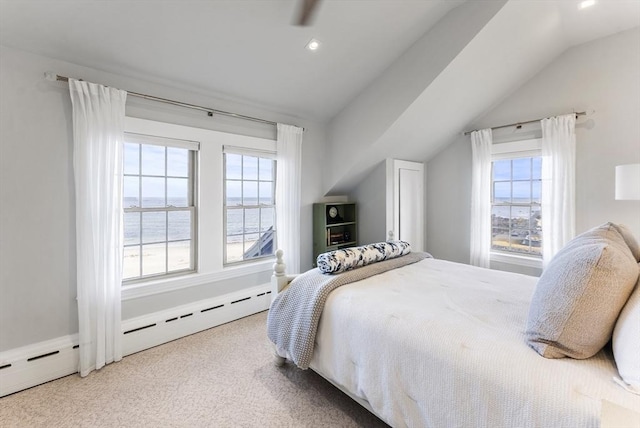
{"x":313,"y":45}
{"x":586,"y":3}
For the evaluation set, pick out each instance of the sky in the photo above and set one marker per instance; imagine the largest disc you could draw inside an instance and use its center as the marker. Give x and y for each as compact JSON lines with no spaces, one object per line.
{"x":526,"y":169}
{"x":153,"y":162}
{"x":155,"y":158}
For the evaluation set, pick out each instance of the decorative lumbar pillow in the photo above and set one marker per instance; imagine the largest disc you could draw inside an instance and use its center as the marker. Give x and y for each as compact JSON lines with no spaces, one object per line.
{"x":580,"y":295}
{"x":350,"y":258}
{"x":626,"y":341}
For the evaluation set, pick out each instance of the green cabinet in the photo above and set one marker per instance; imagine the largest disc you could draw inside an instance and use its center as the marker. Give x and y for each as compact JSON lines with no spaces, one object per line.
{"x":334,"y":227}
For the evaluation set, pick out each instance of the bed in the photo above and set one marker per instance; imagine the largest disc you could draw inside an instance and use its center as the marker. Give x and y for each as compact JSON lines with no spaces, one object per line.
{"x":434,"y":343}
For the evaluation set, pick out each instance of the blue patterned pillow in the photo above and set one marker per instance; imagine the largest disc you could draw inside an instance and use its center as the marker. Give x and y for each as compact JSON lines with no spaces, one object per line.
{"x":350,"y":258}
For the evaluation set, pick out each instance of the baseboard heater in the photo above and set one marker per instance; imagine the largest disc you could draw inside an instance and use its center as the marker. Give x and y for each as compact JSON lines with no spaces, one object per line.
{"x":42,"y":362}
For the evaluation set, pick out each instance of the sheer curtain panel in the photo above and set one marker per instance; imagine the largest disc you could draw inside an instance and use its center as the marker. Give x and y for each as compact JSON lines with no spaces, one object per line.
{"x":98,"y":130}
{"x":288,"y":188}
{"x":481,"y":197}
{"x":558,"y":183}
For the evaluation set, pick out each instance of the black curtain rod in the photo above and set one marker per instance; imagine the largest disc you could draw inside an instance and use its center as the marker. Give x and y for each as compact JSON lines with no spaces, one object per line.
{"x":210,"y":111}
{"x":519,"y":124}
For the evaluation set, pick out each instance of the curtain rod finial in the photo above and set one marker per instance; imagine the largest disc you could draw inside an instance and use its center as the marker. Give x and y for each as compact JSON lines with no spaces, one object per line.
{"x":50,"y":76}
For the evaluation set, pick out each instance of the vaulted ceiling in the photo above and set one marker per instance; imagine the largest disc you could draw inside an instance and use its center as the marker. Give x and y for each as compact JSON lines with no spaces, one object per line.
{"x":393,"y":78}
{"x":465,"y":64}
{"x":248,"y":50}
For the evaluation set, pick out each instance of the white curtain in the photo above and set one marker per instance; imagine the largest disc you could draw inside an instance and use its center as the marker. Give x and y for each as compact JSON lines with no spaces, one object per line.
{"x":98,"y":131}
{"x":558,"y":183}
{"x":480,"y":197}
{"x":288,"y":188}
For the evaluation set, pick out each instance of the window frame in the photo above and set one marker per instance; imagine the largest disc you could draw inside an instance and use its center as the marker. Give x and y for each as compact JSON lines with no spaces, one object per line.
{"x":260,"y":154}
{"x":210,"y":269}
{"x":193,"y":148}
{"x":528,"y":148}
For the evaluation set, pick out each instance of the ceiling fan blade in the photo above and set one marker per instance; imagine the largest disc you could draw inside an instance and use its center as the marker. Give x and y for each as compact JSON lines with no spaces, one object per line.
{"x":306,"y":9}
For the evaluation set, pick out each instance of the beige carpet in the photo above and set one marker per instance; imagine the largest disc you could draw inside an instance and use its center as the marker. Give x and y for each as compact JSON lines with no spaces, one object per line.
{"x":222,"y":377}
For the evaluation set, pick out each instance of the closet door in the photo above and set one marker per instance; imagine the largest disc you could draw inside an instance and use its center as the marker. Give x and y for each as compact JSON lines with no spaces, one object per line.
{"x":407,"y":204}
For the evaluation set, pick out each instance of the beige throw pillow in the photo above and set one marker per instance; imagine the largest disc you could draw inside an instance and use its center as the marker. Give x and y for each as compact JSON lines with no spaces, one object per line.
{"x":580,"y":295}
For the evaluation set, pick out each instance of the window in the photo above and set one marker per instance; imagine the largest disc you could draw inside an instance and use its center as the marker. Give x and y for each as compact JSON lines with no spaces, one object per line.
{"x":249,"y":205}
{"x":175,"y":207}
{"x":159,"y":206}
{"x":515,"y":200}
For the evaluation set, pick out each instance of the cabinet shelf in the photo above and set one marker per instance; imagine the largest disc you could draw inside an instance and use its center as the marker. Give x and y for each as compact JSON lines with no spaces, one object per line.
{"x":329,"y":225}
{"x":341,"y":245}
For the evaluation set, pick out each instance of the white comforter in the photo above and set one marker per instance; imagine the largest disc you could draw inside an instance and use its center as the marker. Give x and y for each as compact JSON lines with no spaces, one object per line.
{"x":441,"y":344}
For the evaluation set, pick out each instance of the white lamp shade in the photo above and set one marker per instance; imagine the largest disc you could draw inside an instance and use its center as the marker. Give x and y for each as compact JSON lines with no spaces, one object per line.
{"x":628,"y":182}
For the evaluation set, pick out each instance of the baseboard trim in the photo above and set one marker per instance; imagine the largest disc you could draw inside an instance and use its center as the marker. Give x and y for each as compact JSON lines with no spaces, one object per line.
{"x":32,"y":365}
{"x":161,"y":327}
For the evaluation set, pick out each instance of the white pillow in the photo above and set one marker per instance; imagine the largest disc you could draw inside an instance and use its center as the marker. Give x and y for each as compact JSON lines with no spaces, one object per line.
{"x":629,"y":239}
{"x":626,"y":341}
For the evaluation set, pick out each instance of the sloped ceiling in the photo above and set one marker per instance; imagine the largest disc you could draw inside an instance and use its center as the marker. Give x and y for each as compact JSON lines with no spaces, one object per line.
{"x":507,"y":43}
{"x":394,"y":78}
{"x":244,"y":50}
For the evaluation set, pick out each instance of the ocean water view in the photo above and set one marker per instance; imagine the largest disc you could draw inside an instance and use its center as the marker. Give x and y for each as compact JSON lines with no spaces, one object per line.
{"x":522,"y":208}
{"x":152,"y":227}
{"x":147,"y":233}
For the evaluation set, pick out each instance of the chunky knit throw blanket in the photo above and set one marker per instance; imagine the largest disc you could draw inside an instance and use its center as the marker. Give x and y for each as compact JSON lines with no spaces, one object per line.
{"x":294,"y":314}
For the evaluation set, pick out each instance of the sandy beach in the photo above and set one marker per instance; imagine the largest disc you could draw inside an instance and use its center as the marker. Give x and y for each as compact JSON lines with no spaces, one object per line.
{"x":179,"y":258}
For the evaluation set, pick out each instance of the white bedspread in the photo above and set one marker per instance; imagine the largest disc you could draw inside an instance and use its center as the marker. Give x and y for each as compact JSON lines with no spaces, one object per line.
{"x":441,"y":344}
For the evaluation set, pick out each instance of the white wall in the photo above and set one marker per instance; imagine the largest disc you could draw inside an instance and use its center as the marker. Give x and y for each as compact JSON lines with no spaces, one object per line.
{"x":371,"y":199}
{"x":37,"y":214}
{"x":601,"y":77}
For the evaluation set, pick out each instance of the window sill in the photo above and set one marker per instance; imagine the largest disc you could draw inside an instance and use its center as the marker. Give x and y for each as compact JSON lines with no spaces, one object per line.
{"x":164,"y":285}
{"x":514,"y":259}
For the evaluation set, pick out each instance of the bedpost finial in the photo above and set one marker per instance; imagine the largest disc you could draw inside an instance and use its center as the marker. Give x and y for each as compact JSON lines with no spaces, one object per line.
{"x":279,"y":266}
{"x":390,"y":236}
